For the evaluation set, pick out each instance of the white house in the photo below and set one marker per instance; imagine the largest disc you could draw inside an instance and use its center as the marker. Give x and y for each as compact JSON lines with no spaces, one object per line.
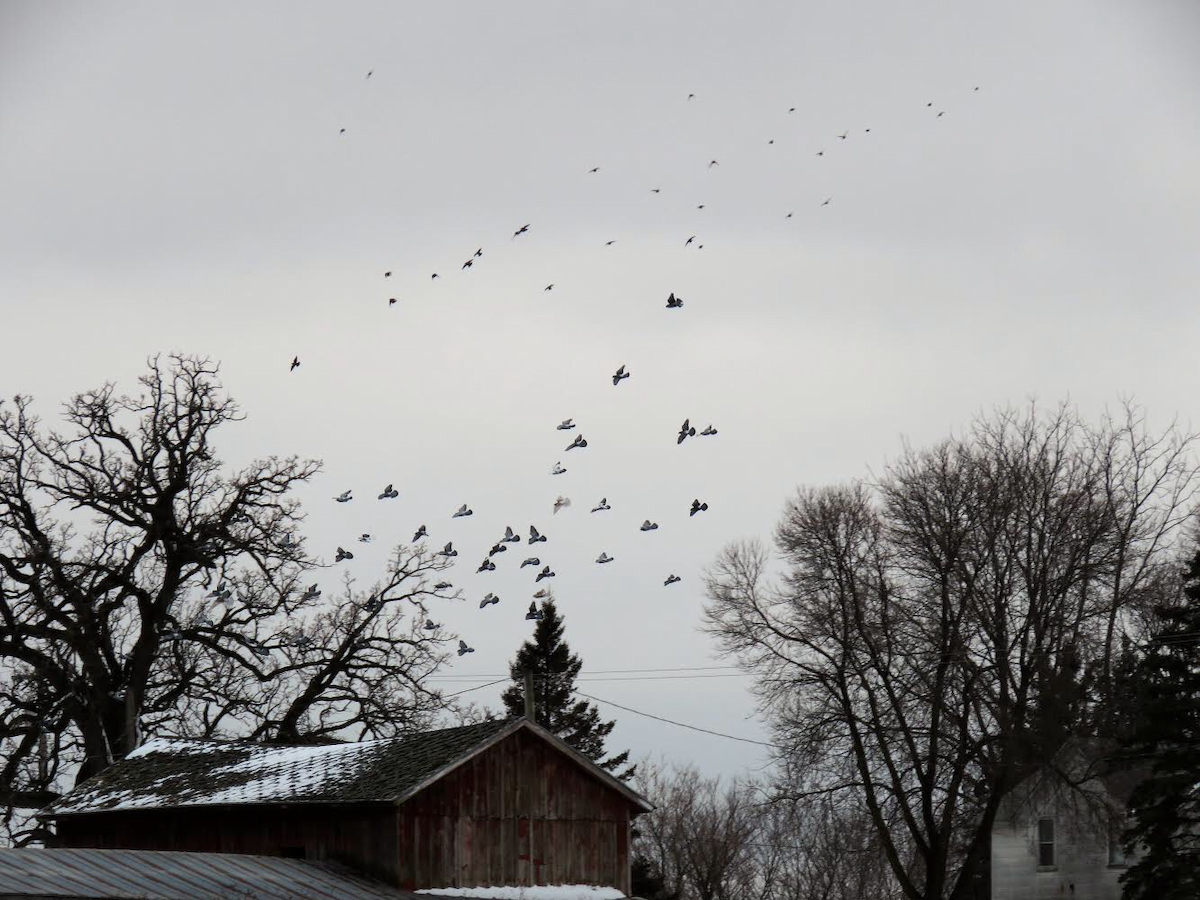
{"x":1059,"y":835}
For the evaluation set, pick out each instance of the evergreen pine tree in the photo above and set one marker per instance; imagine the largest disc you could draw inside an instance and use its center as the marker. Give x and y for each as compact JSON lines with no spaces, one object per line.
{"x":554,"y":669}
{"x":1165,"y":807}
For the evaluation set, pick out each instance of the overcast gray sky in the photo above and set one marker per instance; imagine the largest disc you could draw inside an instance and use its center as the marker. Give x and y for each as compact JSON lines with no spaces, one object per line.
{"x":173,"y":178}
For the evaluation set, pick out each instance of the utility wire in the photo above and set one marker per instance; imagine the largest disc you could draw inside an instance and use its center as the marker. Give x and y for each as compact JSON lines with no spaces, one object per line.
{"x":680,"y":724}
{"x":478,"y":687}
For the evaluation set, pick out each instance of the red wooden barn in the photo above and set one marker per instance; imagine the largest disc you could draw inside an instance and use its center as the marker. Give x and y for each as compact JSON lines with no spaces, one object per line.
{"x":499,"y":803}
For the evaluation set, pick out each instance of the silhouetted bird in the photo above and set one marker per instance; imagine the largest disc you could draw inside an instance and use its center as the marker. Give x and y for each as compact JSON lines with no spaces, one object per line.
{"x":521,"y":230}
{"x":391,"y":301}
{"x":497,"y":548}
{"x":561,"y":503}
{"x":431,"y":625}
{"x":342,"y":554}
{"x":463,"y":511}
{"x":647,"y":525}
{"x":656,"y":190}
{"x":697,"y":506}
{"x":533,"y":614}
{"x":535,"y":537}
{"x":701,"y":206}
{"x":565,"y":425}
{"x":312,"y":592}
{"x":510,"y":536}
{"x":609,"y":243}
{"x":433,"y":276}
{"x":548,"y":287}
{"x":369,"y":73}
{"x":828,"y":200}
{"x":713,"y":162}
{"x":421,"y":532}
{"x":579,"y":441}
{"x":442,"y":586}
{"x":558,"y":469}
{"x":545,"y":573}
{"x":843,"y":135}
{"x":387,"y":274}
{"x":343,"y":497}
{"x":479,"y":252}
{"x":671,"y":579}
{"x":541,"y":595}
{"x":448,"y":550}
{"x":709,"y":431}
{"x":486,"y":566}
{"x":530,"y":561}
{"x":689,"y":240}
{"x":295,"y":364}
{"x":820,"y":153}
{"x":468,"y":263}
{"x":593,"y":171}
{"x":686,"y":430}
{"x":389,"y":493}
{"x":674,"y":302}
{"x":364,"y":538}
{"x":464,"y":649}
{"x":604,"y":558}
{"x":489,"y":598}
{"x":602,"y":505}
{"x":342,"y":131}
{"x":691,"y":96}
{"x":618,"y":375}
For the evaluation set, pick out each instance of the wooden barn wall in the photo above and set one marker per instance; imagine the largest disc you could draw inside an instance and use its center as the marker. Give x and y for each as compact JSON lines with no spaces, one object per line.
{"x":363,"y":837}
{"x":520,"y":813}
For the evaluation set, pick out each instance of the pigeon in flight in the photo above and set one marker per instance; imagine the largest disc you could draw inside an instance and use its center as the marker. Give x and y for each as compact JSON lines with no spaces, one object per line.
{"x":510,"y":536}
{"x":434,"y":275}
{"x":387,"y":274}
{"x":674,"y":302}
{"x":565,"y":425}
{"x":288,"y":540}
{"x":431,"y":625}
{"x":373,"y":604}
{"x":558,"y":469}
{"x":827,"y":201}
{"x":370,"y":72}
{"x":545,"y":573}
{"x":771,"y":141}
{"x":521,"y":230}
{"x":548,"y":287}
{"x":671,"y":579}
{"x":561,"y":503}
{"x":604,"y":558}
{"x":486,"y":566}
{"x":843,"y":135}
{"x":389,"y":493}
{"x":342,"y":554}
{"x":602,"y":505}
{"x":364,"y":538}
{"x":295,"y":364}
{"x":463,"y":649}
{"x":697,"y":506}
{"x":820,"y":153}
{"x":542,"y":594}
{"x":618,"y":375}
{"x":689,"y":240}
{"x":479,"y":253}
{"x":421,"y":532}
{"x":713,"y":162}
{"x":709,"y":431}
{"x":535,"y":536}
{"x":579,"y":441}
{"x":448,"y":550}
{"x":792,"y":109}
{"x":442,"y":586}
{"x":391,"y":301}
{"x":497,"y":548}
{"x":593,"y":171}
{"x":691,"y":96}
{"x":344,"y":497}
{"x":686,"y":430}
{"x":788,"y":216}
{"x":489,"y":598}
{"x":656,"y":190}
{"x":312,"y":592}
{"x":647,"y":525}
{"x":941,"y":113}
{"x":463,"y":511}
{"x":701,"y":206}
{"x":534,"y":613}
{"x":468,"y":263}
{"x":530,"y":561}
{"x":609,"y":243}
{"x":342,"y":131}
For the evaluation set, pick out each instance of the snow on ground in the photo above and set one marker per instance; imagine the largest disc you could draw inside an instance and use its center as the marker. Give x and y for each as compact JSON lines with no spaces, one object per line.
{"x":539,"y":892}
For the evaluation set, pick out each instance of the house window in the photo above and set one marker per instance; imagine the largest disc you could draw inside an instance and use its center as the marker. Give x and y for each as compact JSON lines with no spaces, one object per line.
{"x":1046,"y":842}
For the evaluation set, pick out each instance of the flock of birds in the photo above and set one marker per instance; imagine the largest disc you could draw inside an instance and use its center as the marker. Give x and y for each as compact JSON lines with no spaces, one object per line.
{"x":543,"y":572}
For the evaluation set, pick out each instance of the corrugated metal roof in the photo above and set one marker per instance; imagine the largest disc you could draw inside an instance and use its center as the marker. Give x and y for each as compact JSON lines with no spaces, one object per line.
{"x":170,"y":875}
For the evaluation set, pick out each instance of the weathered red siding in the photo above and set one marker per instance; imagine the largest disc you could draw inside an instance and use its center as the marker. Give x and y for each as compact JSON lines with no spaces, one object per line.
{"x":519,"y":813}
{"x":362,"y":837}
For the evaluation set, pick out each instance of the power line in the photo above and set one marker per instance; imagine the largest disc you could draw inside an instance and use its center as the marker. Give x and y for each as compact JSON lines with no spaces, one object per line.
{"x":478,"y":687}
{"x":600,"y":671}
{"x":680,"y":724}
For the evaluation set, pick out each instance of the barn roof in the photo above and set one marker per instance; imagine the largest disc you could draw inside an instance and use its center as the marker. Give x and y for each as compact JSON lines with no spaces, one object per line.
{"x":170,"y":875}
{"x":173,"y":773}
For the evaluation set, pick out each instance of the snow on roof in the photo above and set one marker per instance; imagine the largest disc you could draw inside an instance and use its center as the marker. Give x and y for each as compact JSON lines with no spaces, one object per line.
{"x":537,"y":892}
{"x":171,"y":772}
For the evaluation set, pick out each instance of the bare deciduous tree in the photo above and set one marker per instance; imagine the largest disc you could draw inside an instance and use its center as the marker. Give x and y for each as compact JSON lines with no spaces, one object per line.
{"x":924,"y":650}
{"x":145,"y":590}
